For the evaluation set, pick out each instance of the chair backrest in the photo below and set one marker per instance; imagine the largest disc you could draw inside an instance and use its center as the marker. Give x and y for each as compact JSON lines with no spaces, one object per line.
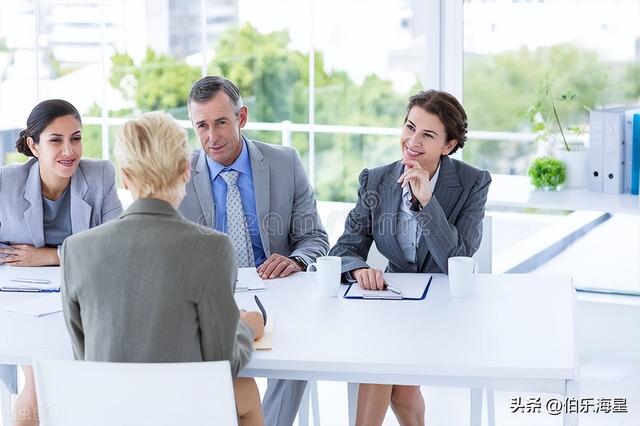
{"x":107,"y":393}
{"x":484,"y":255}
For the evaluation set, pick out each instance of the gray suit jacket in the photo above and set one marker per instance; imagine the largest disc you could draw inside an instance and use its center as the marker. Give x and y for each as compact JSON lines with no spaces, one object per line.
{"x":285,"y":204}
{"x":138,"y":290}
{"x":94,"y":200}
{"x":450,"y":224}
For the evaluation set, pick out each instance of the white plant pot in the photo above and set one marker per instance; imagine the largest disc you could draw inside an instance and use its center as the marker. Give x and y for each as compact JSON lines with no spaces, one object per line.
{"x":576,"y":165}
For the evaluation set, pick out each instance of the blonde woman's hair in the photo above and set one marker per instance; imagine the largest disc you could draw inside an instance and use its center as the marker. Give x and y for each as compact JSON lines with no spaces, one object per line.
{"x":152,"y":151}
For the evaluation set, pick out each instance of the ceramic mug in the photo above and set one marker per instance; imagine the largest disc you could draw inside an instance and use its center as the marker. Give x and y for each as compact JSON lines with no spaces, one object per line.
{"x":462,"y":276}
{"x":329,"y":272}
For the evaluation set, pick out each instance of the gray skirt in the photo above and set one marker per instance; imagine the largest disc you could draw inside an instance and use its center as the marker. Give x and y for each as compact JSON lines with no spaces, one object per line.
{"x":9,"y":377}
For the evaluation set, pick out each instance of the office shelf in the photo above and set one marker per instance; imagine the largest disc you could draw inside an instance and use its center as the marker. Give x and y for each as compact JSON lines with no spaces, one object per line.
{"x":516,"y":191}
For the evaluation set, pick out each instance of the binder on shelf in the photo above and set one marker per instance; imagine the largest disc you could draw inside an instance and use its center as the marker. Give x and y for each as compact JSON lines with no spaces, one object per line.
{"x":635,"y":159}
{"x":628,"y":148}
{"x":613,"y":146}
{"x":594,"y":158}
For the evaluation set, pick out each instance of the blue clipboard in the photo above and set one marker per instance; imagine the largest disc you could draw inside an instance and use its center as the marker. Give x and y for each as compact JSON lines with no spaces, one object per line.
{"x":22,"y":290}
{"x":422,"y":296}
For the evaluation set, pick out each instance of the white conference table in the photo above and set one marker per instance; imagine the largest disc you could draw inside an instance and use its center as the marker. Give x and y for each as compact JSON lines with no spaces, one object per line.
{"x":516,"y":334}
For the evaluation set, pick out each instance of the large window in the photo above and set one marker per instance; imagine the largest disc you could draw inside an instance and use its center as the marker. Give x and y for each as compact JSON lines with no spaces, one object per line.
{"x":18,"y":72}
{"x":330,"y":85}
{"x":517,"y":53}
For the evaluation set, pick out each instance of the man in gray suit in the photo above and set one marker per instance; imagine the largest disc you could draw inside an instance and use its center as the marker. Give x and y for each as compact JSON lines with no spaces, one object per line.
{"x":260,"y":196}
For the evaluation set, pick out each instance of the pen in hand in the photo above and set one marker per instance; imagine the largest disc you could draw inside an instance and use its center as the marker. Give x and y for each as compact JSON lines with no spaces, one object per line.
{"x":262,"y":310}
{"x":392,"y":289}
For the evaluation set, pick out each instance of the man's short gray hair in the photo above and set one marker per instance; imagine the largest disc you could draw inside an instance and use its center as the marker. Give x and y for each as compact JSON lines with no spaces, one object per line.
{"x":208,"y":87}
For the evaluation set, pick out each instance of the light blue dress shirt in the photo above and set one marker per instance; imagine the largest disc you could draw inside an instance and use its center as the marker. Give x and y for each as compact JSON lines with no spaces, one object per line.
{"x":247,"y":195}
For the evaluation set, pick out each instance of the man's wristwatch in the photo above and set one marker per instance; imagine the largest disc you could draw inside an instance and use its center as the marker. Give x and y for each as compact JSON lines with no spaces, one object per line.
{"x":300,"y":261}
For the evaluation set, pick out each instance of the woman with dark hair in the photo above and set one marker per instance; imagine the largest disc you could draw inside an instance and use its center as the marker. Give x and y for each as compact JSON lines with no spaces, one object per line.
{"x":420,"y":211}
{"x":51,"y":196}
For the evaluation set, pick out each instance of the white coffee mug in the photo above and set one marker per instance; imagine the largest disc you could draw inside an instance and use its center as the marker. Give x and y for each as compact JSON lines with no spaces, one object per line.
{"x":462,"y":276}
{"x":328,"y":276}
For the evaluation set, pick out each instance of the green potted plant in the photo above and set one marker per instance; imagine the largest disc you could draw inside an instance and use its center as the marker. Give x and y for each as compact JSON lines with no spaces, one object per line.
{"x":547,"y":173}
{"x":547,"y":118}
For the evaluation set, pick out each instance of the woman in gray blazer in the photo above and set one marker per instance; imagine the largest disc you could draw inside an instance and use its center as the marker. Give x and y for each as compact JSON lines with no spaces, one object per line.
{"x":46,"y":199}
{"x":420,"y":211}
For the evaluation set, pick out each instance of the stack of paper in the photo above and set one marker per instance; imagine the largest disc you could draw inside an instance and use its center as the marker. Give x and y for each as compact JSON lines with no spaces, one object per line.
{"x":16,"y":278}
{"x":248,"y":280}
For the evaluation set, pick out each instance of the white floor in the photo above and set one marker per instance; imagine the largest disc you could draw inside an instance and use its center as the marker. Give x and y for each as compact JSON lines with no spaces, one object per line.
{"x":450,"y":406}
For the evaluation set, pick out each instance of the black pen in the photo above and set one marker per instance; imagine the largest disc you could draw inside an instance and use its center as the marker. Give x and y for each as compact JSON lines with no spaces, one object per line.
{"x":415,"y":203}
{"x":264,"y":313}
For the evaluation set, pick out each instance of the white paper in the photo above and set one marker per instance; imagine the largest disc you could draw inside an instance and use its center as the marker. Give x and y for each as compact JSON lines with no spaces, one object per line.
{"x":249,"y":280}
{"x":37,"y":305}
{"x":22,"y":276}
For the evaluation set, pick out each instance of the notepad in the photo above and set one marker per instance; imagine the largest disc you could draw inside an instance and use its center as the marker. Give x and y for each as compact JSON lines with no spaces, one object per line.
{"x":412,"y":287}
{"x":31,"y":280}
{"x":249,"y":280}
{"x":266,"y":341}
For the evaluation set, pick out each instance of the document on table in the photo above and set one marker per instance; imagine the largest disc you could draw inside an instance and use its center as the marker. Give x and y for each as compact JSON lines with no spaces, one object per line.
{"x":25,"y":279}
{"x":249,"y":280}
{"x":411,"y":287}
{"x":37,"y":305}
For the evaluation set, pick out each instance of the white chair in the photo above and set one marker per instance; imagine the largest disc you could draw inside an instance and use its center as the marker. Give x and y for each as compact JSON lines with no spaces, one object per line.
{"x":5,"y":405}
{"x":107,"y":393}
{"x":484,"y":255}
{"x":334,"y":215}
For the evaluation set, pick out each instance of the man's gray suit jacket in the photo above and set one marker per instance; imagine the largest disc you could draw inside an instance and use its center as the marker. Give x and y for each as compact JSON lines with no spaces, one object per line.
{"x":449,"y":225}
{"x":285,"y":204}
{"x":151,"y":287}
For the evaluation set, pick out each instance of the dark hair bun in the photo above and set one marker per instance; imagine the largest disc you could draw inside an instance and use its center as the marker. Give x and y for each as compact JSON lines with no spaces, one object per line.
{"x":21,"y":144}
{"x":40,"y":117}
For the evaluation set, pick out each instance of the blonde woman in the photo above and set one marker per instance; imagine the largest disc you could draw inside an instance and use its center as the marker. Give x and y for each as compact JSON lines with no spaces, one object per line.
{"x":140,"y":282}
